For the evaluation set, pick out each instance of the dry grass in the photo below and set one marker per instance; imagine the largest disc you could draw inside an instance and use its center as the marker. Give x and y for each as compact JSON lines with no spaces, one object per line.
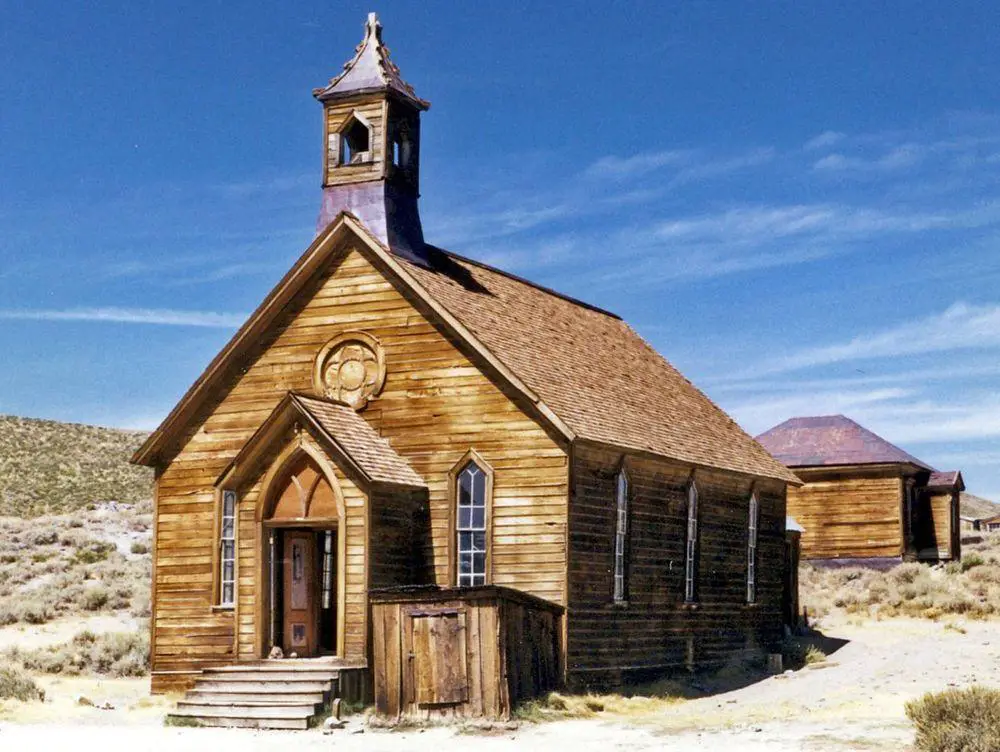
{"x":969,"y":588}
{"x":957,"y":720}
{"x":641,"y":700}
{"x":49,"y":468}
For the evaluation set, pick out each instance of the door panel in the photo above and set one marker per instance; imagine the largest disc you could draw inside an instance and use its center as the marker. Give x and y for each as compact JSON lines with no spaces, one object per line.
{"x":438,"y":659}
{"x":300,"y":594}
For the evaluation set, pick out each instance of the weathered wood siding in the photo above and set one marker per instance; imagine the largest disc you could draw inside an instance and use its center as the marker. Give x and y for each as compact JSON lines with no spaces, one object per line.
{"x":655,"y":630}
{"x":435,"y":406}
{"x":398,"y":531}
{"x":374,"y":110}
{"x":846,"y":516}
{"x":944,"y":541}
{"x":467,"y":652}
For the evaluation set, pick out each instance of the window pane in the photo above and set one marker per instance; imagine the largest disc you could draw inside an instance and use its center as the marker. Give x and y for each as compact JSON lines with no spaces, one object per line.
{"x":227,"y":593}
{"x":228,"y":550}
{"x":228,"y":571}
{"x":464,"y":542}
{"x":465,"y":563}
{"x":479,"y":563}
{"x":478,"y":517}
{"x":464,"y":489}
{"x":478,"y":541}
{"x":228,"y":503}
{"x":228,"y":527}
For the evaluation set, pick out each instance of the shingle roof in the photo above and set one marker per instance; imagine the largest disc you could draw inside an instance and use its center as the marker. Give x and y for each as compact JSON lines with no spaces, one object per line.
{"x":945,"y":479}
{"x":370,"y":70}
{"x":831,"y":440}
{"x":600,"y":377}
{"x":359,"y":441}
{"x":588,"y":375}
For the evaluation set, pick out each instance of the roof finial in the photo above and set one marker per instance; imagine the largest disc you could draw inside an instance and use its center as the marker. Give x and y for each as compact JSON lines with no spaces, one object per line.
{"x":373,"y":27}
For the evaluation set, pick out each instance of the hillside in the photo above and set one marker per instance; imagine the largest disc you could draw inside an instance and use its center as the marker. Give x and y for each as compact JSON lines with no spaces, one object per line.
{"x":48,"y":467}
{"x":977,"y":507}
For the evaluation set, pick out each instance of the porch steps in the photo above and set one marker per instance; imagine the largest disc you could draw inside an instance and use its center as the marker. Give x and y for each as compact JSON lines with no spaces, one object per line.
{"x":284,"y":694}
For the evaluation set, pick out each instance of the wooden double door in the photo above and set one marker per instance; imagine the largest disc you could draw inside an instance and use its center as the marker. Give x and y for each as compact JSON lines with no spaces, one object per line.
{"x":304,"y":578}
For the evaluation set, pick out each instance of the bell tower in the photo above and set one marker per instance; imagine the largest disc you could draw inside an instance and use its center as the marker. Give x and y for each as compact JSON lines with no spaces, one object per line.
{"x":371,"y":156}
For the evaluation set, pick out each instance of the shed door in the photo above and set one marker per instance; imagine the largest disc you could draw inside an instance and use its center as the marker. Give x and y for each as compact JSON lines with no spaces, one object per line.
{"x":438,"y":659}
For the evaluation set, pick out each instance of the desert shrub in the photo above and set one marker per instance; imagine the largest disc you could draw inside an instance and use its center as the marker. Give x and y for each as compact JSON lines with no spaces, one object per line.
{"x":46,"y":538}
{"x":141,"y":604}
{"x":93,"y":552}
{"x":957,"y":720}
{"x":139,"y":547}
{"x":972,"y":560}
{"x":95,"y":598}
{"x":16,"y":684}
{"x":113,"y":654}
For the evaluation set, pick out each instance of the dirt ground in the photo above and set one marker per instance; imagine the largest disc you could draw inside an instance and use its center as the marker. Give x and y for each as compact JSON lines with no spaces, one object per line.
{"x":853,"y":701}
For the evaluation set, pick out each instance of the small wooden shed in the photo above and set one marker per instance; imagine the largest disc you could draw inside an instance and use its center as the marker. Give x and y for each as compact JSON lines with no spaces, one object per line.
{"x":462,"y":651}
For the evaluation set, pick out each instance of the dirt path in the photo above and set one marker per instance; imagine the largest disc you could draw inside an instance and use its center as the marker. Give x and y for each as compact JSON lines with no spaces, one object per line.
{"x":853,"y":702}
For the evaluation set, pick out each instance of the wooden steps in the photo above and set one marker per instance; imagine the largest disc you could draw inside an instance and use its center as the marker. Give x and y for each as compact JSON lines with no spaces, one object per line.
{"x":284,"y":694}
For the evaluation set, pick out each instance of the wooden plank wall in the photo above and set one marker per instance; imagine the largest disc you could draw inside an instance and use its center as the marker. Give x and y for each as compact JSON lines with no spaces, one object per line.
{"x":848,"y":517}
{"x":656,"y":632}
{"x":940,"y":507}
{"x":511,"y":654}
{"x":398,"y":538}
{"x":435,"y":406}
{"x":374,"y":110}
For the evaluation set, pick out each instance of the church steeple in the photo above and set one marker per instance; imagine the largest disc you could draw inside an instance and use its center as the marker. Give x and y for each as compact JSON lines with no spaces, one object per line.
{"x":372,"y":147}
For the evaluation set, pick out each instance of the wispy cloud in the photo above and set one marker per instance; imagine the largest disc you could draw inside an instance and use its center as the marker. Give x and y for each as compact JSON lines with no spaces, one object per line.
{"x":898,"y":158}
{"x":160,"y":316}
{"x":824,"y":140}
{"x":638,"y":164}
{"x":960,"y":327}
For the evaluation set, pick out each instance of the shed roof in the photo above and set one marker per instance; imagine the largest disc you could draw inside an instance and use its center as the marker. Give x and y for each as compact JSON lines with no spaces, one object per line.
{"x":826,"y":440}
{"x":370,"y":70}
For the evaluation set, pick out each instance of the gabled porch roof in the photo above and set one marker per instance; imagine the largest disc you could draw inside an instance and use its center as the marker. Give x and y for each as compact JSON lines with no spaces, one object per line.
{"x":351,"y":442}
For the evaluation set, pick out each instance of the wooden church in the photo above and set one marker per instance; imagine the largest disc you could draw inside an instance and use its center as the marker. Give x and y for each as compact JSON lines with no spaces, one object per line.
{"x":417,"y":477}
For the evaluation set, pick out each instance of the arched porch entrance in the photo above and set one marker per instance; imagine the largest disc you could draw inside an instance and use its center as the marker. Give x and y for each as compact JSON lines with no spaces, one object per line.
{"x":301,"y":519}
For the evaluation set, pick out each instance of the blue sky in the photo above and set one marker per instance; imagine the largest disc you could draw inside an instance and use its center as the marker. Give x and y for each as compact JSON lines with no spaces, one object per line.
{"x":797,"y":203}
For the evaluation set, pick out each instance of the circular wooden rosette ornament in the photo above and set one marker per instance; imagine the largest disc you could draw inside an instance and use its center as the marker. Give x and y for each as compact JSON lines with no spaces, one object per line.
{"x":350,"y":369}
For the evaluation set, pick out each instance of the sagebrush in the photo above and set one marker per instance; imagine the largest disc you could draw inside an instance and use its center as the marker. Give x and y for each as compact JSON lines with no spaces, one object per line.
{"x":970,"y":587}
{"x":48,"y":467}
{"x":118,"y":654}
{"x":17,"y":684}
{"x":957,"y":720}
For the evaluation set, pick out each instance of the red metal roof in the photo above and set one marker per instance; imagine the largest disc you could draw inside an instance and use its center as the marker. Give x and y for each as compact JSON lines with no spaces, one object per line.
{"x":832,"y":440}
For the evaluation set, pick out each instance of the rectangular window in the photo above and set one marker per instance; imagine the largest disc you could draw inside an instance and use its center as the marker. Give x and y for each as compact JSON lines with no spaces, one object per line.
{"x":471,"y":527}
{"x":752,"y":549}
{"x":621,"y":537}
{"x":227,"y":550}
{"x":691,"y":549}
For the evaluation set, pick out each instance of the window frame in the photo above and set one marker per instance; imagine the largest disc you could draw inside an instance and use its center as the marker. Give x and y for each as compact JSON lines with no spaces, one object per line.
{"x":226,"y":495}
{"x":753,"y":536}
{"x":691,"y":545}
{"x":620,"y":550}
{"x":470,"y":457}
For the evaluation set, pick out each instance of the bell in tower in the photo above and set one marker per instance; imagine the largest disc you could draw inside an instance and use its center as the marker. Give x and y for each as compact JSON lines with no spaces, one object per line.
{"x":371,"y":122}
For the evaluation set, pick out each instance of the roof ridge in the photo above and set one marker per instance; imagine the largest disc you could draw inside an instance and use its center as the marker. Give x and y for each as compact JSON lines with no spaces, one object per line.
{"x":526,"y":281}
